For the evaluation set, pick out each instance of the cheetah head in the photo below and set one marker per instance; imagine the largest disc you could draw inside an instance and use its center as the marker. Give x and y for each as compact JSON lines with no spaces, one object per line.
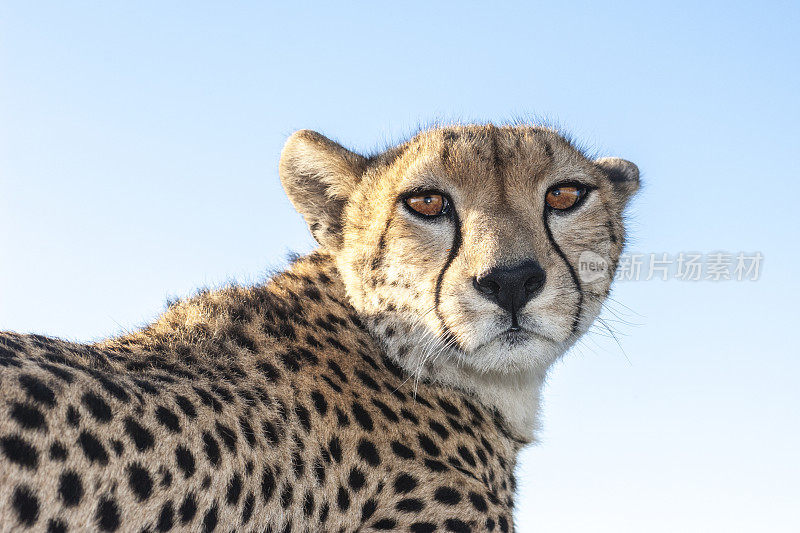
{"x":476,"y":254}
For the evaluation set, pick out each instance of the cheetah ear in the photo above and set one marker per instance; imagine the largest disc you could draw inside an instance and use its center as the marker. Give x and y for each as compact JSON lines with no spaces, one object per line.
{"x":319,"y":176}
{"x":622,"y":174}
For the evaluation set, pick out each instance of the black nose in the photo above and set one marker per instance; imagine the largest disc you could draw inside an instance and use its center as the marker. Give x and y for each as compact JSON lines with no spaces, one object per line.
{"x":512,"y":287}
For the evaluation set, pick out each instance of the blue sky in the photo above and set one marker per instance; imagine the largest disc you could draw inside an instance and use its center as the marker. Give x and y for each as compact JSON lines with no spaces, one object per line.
{"x":138,"y":160}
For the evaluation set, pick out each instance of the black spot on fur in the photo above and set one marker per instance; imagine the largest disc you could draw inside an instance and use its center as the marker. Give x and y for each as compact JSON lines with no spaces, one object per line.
{"x":362,"y":417}
{"x":290,"y":361}
{"x":271,"y":432}
{"x":58,"y":452}
{"x":439,"y":429}
{"x":234,"y":491}
{"x":140,"y":436}
{"x":107,"y":514}
{"x":73,"y":416}
{"x":408,"y":415}
{"x":186,"y":406}
{"x":56,"y":526}
{"x":239,"y":336}
{"x":19,"y":451}
{"x":428,"y":446}
{"x":92,"y":449}
{"x":449,"y":408}
{"x":402,"y":451}
{"x":319,"y":471}
{"x":308,"y":504}
{"x":367,"y":380}
{"x":96,"y":406}
{"x":456,"y":526}
{"x":287,"y":496}
{"x":185,"y":461}
{"x":140,"y":482}
{"x":320,"y":404}
{"x":210,"y":519}
{"x":27,"y":416}
{"x":313,"y":293}
{"x":166,"y":476}
{"x":37,"y":390}
{"x":410,"y":505}
{"x":117,"y":446}
{"x":211,"y":448}
{"x":303,"y":416}
{"x":356,"y":479}
{"x":367,"y":451}
{"x":168,"y":419}
{"x":26,"y":505}
{"x":335,"y":449}
{"x":478,"y":502}
{"x":298,"y":464}
{"x":208,"y":399}
{"x":466,"y":455}
{"x":503,"y":523}
{"x":342,"y":499}
{"x":387,"y":412}
{"x":331,"y":384}
{"x":188,"y":508}
{"x":228,"y":436}
{"x":435,"y":466}
{"x":447,"y":496}
{"x":166,"y":517}
{"x":247,"y":508}
{"x":267,"y":484}
{"x":247,"y":431}
{"x":385,"y":524}
{"x":269,"y":371}
{"x":70,"y":488}
{"x":112,"y":388}
{"x":337,"y":370}
{"x":57,"y":371}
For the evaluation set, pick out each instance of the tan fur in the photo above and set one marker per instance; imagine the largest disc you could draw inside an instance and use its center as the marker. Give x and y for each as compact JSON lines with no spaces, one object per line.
{"x":341,"y":395}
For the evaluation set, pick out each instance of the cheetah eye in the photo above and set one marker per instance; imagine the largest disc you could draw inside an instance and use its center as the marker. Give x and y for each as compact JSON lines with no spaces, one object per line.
{"x":565,"y":196}
{"x":428,"y":204}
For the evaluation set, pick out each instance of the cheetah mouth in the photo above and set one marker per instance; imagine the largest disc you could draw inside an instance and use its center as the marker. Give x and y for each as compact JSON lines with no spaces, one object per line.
{"x":516,"y":336}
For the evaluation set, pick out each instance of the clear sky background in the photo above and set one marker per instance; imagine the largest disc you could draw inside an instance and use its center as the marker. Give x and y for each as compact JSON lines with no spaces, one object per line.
{"x":139,"y":144}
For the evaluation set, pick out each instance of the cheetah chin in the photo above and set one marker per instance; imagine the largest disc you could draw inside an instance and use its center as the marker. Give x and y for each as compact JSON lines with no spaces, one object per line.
{"x":385,"y":382}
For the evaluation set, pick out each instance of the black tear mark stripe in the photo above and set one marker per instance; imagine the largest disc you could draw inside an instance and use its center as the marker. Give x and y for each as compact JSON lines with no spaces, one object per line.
{"x":577,"y":315}
{"x":456,"y":246}
{"x":378,"y":259}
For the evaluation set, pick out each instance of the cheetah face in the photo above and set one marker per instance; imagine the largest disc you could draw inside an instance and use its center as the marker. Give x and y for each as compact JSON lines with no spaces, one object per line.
{"x":467,"y":246}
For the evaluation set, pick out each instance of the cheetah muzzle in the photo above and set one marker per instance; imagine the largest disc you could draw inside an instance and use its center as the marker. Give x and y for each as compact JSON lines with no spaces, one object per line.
{"x":384,"y":382}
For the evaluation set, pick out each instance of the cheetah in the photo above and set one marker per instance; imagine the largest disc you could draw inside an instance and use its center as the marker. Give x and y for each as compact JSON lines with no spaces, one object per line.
{"x":384,"y":382}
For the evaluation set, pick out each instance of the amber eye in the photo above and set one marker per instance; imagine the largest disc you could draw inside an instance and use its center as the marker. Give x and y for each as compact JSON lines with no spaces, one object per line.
{"x":429,"y":204}
{"x":563,"y":197}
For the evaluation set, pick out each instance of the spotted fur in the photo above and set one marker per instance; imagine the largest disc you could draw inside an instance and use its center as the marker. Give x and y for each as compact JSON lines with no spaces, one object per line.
{"x":299,"y":404}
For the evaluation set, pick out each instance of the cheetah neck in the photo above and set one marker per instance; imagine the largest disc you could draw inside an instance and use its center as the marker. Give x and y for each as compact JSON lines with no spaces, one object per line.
{"x":514,"y":396}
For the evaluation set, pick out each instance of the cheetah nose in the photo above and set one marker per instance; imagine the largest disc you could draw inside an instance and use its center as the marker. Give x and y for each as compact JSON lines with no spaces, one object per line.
{"x":512,"y":287}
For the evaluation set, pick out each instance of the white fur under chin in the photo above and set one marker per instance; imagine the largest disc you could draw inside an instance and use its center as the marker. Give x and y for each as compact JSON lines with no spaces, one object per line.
{"x":515,"y":394}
